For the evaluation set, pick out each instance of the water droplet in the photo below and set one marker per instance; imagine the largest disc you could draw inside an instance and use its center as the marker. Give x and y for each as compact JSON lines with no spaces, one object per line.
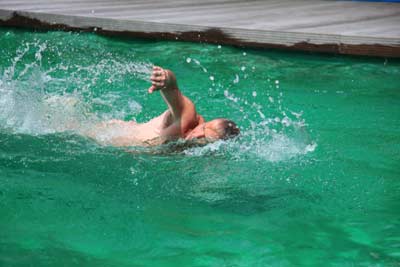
{"x":286,"y":121}
{"x":244,"y":53}
{"x":243,"y":68}
{"x":236,"y":80}
{"x":219,"y":46}
{"x":276,"y":81}
{"x":212,"y":78}
{"x":188,"y":60}
{"x":254,"y":93}
{"x":271,"y":99}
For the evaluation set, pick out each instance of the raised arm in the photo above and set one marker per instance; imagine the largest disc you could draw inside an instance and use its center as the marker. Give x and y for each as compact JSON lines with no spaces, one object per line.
{"x":182,"y":109}
{"x":165,"y":81}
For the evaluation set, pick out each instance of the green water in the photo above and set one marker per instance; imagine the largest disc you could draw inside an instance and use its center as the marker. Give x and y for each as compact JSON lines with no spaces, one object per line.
{"x":313,"y":180}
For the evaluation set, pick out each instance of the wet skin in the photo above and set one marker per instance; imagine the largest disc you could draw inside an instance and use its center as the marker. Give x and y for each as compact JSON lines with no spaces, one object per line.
{"x":179,"y":121}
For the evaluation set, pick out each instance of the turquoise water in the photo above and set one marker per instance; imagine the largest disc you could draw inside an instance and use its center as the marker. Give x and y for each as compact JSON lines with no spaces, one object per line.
{"x":313,"y":180}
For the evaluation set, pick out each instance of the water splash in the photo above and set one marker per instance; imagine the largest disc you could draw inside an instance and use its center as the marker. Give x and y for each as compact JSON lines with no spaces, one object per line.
{"x":35,"y":100}
{"x":270,"y":140}
{"x":197,"y":63}
{"x":279,"y":136}
{"x":277,"y":140}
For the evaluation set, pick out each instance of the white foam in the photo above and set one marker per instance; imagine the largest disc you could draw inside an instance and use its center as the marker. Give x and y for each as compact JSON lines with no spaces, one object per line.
{"x":236,"y":80}
{"x":264,"y":142}
{"x":34,"y":101}
{"x":273,"y":138}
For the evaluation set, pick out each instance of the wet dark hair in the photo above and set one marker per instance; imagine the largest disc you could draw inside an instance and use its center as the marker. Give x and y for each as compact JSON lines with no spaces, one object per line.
{"x":227,"y":129}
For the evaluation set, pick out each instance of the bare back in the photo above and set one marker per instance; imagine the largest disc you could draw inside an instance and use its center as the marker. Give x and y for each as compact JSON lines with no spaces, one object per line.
{"x":131,"y":133}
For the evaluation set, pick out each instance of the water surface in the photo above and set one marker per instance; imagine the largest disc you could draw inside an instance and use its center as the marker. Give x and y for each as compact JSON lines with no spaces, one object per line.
{"x":313,"y":180}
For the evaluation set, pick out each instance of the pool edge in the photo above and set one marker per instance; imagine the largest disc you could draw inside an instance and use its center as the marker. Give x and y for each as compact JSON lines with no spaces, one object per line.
{"x":295,"y":41}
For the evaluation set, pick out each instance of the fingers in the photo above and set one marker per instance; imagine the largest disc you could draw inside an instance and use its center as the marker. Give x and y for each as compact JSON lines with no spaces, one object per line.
{"x":158,"y":79}
{"x":157,"y":71}
{"x":158,"y":85}
{"x":151,"y":89}
{"x":158,"y":76}
{"x":155,"y":87}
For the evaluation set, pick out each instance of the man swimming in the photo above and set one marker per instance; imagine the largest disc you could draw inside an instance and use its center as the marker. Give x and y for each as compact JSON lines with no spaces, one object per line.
{"x":179,"y":121}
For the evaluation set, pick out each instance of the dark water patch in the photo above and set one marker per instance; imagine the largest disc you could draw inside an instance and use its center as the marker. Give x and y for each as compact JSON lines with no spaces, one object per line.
{"x":52,"y":254}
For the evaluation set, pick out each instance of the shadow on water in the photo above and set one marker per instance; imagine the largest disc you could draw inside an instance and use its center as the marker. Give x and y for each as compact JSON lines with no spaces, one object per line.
{"x":52,"y":254}
{"x":245,"y":203}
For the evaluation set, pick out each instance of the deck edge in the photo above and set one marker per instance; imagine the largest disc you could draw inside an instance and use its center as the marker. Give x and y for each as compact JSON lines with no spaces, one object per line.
{"x":309,"y":42}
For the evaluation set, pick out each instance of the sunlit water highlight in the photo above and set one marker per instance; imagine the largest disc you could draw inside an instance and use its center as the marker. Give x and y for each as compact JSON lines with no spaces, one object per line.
{"x":311,"y":181}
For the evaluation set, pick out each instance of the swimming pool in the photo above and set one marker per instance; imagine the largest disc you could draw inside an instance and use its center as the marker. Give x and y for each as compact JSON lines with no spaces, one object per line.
{"x":313,"y":180}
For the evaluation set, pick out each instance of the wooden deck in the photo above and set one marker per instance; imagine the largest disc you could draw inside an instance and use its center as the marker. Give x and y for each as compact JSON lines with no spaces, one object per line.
{"x":345,"y":27}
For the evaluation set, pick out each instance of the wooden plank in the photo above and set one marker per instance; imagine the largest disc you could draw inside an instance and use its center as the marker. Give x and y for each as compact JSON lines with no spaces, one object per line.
{"x":313,"y":25}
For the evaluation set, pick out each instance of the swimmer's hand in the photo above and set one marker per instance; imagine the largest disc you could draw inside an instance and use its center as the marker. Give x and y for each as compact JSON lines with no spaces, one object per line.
{"x":162,"y":79}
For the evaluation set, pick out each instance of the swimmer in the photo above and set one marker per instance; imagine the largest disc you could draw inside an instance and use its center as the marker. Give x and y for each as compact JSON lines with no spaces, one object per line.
{"x":179,"y":121}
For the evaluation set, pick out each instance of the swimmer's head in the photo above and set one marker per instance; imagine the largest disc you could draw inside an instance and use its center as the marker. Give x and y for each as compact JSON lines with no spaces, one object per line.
{"x":214,"y":130}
